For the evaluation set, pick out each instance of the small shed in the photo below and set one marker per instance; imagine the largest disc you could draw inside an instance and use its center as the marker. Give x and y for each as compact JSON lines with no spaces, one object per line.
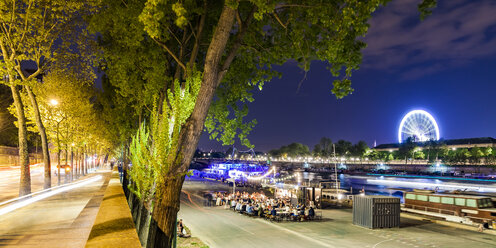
{"x":376,"y":211}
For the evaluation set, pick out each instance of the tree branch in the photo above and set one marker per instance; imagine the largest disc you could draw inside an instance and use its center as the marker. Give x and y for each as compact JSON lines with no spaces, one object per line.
{"x":279,"y":20}
{"x":171,"y":53}
{"x":238,"y":19}
{"x":196,"y":46}
{"x":25,"y":23}
{"x":237,"y":44}
{"x":173,"y":35}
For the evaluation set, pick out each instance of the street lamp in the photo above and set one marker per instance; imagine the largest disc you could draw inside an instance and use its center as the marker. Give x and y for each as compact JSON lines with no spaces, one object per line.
{"x":54,"y":102}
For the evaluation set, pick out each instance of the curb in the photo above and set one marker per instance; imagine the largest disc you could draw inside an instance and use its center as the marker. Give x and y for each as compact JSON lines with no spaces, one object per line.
{"x":113,"y":226}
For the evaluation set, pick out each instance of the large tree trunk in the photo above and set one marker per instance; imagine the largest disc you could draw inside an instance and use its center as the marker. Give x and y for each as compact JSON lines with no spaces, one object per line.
{"x":44,"y":142}
{"x":165,"y":214}
{"x":166,"y":208}
{"x":72,"y":164}
{"x":85,"y":160}
{"x":76,"y":163}
{"x":58,"y":165}
{"x":25,"y":181}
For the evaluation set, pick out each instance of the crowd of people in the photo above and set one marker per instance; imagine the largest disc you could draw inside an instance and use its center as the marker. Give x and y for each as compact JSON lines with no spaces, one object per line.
{"x":257,"y":204}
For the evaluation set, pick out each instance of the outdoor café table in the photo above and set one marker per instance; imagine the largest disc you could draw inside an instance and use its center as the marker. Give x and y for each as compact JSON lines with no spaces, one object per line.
{"x":283,"y":213}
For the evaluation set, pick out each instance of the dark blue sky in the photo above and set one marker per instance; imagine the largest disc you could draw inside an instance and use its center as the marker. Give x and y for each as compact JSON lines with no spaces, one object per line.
{"x":445,"y":65}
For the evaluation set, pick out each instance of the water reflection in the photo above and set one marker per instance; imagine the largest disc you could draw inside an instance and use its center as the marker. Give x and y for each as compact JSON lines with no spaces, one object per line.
{"x":394,"y":186}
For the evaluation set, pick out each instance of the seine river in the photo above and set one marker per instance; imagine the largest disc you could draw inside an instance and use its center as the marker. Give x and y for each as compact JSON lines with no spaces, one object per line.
{"x":395,"y":185}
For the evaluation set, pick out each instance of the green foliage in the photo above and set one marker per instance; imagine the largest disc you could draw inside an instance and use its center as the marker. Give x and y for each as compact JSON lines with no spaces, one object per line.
{"x":425,"y":8}
{"x":292,"y":150}
{"x":419,"y":154}
{"x":31,"y":29}
{"x":135,"y":67}
{"x":407,"y":148}
{"x":343,"y":148}
{"x":342,"y":88}
{"x":323,"y":148}
{"x":152,"y":150}
{"x":360,"y":149}
{"x":142,"y":171}
{"x":8,"y":132}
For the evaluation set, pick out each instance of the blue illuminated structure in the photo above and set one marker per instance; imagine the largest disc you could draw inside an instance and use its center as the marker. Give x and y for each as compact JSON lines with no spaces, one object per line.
{"x":237,"y":171}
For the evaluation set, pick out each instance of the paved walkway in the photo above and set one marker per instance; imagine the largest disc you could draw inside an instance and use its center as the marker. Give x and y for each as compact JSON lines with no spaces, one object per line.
{"x":62,"y":220}
{"x":224,"y":228}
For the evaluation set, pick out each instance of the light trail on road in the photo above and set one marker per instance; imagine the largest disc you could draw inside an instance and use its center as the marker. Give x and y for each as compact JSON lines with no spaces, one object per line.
{"x":40,"y":196}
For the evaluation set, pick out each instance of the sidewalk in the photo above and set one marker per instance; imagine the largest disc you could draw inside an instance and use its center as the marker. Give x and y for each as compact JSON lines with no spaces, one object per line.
{"x":62,"y":220}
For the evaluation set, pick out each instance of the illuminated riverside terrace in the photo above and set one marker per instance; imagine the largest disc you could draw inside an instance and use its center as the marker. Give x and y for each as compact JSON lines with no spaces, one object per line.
{"x":220,"y":226}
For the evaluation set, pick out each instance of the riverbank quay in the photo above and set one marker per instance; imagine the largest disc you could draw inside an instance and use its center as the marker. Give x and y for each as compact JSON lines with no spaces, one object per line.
{"x":114,"y":226}
{"x":61,"y":217}
{"x":219,"y":227}
{"x":447,"y":223}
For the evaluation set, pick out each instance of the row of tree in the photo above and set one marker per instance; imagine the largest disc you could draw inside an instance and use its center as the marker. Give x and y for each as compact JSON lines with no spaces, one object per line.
{"x":324,"y":149}
{"x":433,"y":151}
{"x":46,"y":62}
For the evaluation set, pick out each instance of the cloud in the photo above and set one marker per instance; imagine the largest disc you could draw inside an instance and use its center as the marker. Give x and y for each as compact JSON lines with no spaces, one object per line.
{"x":457,"y":33}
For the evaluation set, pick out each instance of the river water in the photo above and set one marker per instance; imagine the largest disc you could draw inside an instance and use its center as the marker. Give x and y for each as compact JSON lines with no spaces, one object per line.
{"x":395,"y":185}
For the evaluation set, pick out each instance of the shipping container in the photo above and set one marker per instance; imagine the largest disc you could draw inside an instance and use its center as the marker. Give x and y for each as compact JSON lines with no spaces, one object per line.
{"x":375,"y":211}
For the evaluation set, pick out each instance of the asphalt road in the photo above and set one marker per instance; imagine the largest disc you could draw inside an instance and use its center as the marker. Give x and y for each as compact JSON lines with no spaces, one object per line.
{"x":10,"y":176}
{"x":62,"y":220}
{"x":224,"y":228}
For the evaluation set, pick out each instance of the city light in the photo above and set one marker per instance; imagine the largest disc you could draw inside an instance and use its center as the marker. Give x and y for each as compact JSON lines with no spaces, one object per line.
{"x":54,"y":102}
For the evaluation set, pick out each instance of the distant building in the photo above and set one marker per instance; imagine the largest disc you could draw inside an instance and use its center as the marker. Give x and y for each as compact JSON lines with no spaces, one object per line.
{"x":451,"y":144}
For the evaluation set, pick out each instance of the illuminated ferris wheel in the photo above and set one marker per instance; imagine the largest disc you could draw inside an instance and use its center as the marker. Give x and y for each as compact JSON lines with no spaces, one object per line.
{"x":420,"y":125}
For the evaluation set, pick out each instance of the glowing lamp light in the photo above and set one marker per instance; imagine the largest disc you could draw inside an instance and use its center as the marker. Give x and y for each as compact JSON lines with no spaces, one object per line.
{"x":54,"y":102}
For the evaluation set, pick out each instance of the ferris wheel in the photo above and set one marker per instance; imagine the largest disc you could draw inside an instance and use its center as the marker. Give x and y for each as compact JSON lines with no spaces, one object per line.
{"x":420,"y":125}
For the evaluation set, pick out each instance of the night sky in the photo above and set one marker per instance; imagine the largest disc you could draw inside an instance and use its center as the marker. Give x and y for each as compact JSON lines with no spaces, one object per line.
{"x":445,"y":65}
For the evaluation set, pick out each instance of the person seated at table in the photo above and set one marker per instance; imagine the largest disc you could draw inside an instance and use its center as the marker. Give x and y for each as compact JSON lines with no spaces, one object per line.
{"x":287,"y":208}
{"x":249,"y":209}
{"x":311,"y":213}
{"x":294,"y":212}
{"x":243,"y":207}
{"x":238,"y":206}
{"x":233,"y":204}
{"x":273,"y":212}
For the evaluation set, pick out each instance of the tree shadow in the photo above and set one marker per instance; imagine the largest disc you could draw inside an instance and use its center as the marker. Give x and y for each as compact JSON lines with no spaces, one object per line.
{"x":113,"y":196}
{"x":111,"y":226}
